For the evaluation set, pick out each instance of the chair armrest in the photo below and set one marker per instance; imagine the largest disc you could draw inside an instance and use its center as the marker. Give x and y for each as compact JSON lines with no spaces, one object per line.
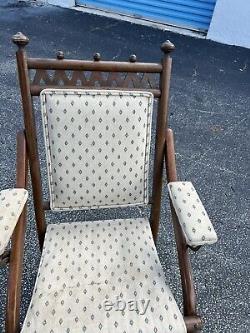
{"x":194,"y":221}
{"x":12,"y":202}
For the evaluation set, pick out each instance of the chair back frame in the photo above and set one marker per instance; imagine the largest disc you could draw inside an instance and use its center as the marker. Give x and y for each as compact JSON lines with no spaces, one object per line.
{"x":103,"y":75}
{"x":138,"y":76}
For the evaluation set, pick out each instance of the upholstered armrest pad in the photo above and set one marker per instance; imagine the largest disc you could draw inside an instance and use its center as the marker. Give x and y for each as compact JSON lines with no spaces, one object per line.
{"x":12,"y":202}
{"x":193,"y":218}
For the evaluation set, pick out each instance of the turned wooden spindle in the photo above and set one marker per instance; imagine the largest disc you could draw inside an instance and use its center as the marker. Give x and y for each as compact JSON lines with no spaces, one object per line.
{"x":167,"y":47}
{"x":97,"y":57}
{"x":60,"y":55}
{"x":20,"y":40}
{"x":132,"y":58}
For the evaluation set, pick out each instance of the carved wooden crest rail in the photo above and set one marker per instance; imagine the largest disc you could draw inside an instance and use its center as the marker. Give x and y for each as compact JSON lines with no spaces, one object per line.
{"x":60,"y":72}
{"x":42,"y":77}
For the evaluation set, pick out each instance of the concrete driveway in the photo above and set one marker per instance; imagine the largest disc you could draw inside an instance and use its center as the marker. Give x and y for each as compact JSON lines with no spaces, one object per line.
{"x":209,"y":112}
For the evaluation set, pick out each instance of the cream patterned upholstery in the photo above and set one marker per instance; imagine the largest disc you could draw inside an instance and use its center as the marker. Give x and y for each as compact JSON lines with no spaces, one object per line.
{"x":97,"y":145}
{"x":90,"y":271}
{"x":12,"y":202}
{"x":193,"y":218}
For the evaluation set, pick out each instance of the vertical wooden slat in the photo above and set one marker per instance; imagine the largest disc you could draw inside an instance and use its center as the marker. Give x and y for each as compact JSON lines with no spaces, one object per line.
{"x":161,"y":127}
{"x":189,"y":297}
{"x":30,"y":129}
{"x":17,"y":246}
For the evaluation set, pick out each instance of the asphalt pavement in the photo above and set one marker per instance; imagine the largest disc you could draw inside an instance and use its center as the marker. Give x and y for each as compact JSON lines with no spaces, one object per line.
{"x":209,"y":113}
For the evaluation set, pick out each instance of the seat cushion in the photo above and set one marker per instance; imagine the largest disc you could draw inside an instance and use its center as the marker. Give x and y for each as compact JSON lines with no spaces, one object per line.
{"x":97,"y":146}
{"x":12,"y":202}
{"x":102,"y":276}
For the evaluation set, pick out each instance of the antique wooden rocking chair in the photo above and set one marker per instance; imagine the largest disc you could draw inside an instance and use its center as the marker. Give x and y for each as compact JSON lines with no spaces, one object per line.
{"x":97,"y":128}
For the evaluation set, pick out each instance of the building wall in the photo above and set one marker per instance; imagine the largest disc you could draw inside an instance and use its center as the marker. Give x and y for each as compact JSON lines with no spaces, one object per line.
{"x":62,"y":3}
{"x":231,"y":23}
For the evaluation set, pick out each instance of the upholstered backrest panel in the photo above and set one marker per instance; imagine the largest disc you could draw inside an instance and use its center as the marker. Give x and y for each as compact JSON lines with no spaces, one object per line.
{"x":97,"y":146}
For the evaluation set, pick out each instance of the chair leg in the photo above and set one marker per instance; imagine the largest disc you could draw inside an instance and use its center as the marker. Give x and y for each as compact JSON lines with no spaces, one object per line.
{"x":17,"y":247}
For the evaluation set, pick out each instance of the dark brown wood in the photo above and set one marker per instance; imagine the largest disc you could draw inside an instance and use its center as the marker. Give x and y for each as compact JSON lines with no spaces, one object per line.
{"x":195,"y":249}
{"x":97,"y":57}
{"x":193,"y":324}
{"x":20,"y":39}
{"x":167,"y":47}
{"x":100,"y":66}
{"x":95,"y":80}
{"x":170,"y":156}
{"x":30,"y":131}
{"x":46,"y":205}
{"x":4,"y":258}
{"x":60,"y":55}
{"x":189,"y":297}
{"x":161,"y":127}
{"x":132,"y":58}
{"x":17,"y":245}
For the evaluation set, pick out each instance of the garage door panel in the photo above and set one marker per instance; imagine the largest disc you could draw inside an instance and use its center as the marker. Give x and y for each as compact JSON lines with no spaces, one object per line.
{"x":194,"y":14}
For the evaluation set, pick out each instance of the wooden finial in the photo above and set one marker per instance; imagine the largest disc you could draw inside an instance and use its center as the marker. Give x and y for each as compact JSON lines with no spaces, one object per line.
{"x":97,"y":57}
{"x":167,"y":47}
{"x":60,"y":55}
{"x":132,"y":58}
{"x":20,"y":39}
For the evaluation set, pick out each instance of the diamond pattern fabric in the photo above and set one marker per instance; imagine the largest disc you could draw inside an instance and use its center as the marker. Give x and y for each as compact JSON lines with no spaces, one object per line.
{"x":102,"y":276}
{"x":12,"y":202}
{"x":97,"y":145}
{"x":196,"y":225}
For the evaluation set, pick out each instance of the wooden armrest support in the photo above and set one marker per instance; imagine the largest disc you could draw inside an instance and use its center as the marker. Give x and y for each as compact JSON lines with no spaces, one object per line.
{"x":193,"y":324}
{"x":189,"y":297}
{"x":170,"y":157}
{"x":4,"y":258}
{"x":194,"y":249}
{"x":17,"y":244}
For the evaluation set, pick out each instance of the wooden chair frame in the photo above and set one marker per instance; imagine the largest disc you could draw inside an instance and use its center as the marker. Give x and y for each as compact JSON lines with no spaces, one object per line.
{"x":104,"y":75}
